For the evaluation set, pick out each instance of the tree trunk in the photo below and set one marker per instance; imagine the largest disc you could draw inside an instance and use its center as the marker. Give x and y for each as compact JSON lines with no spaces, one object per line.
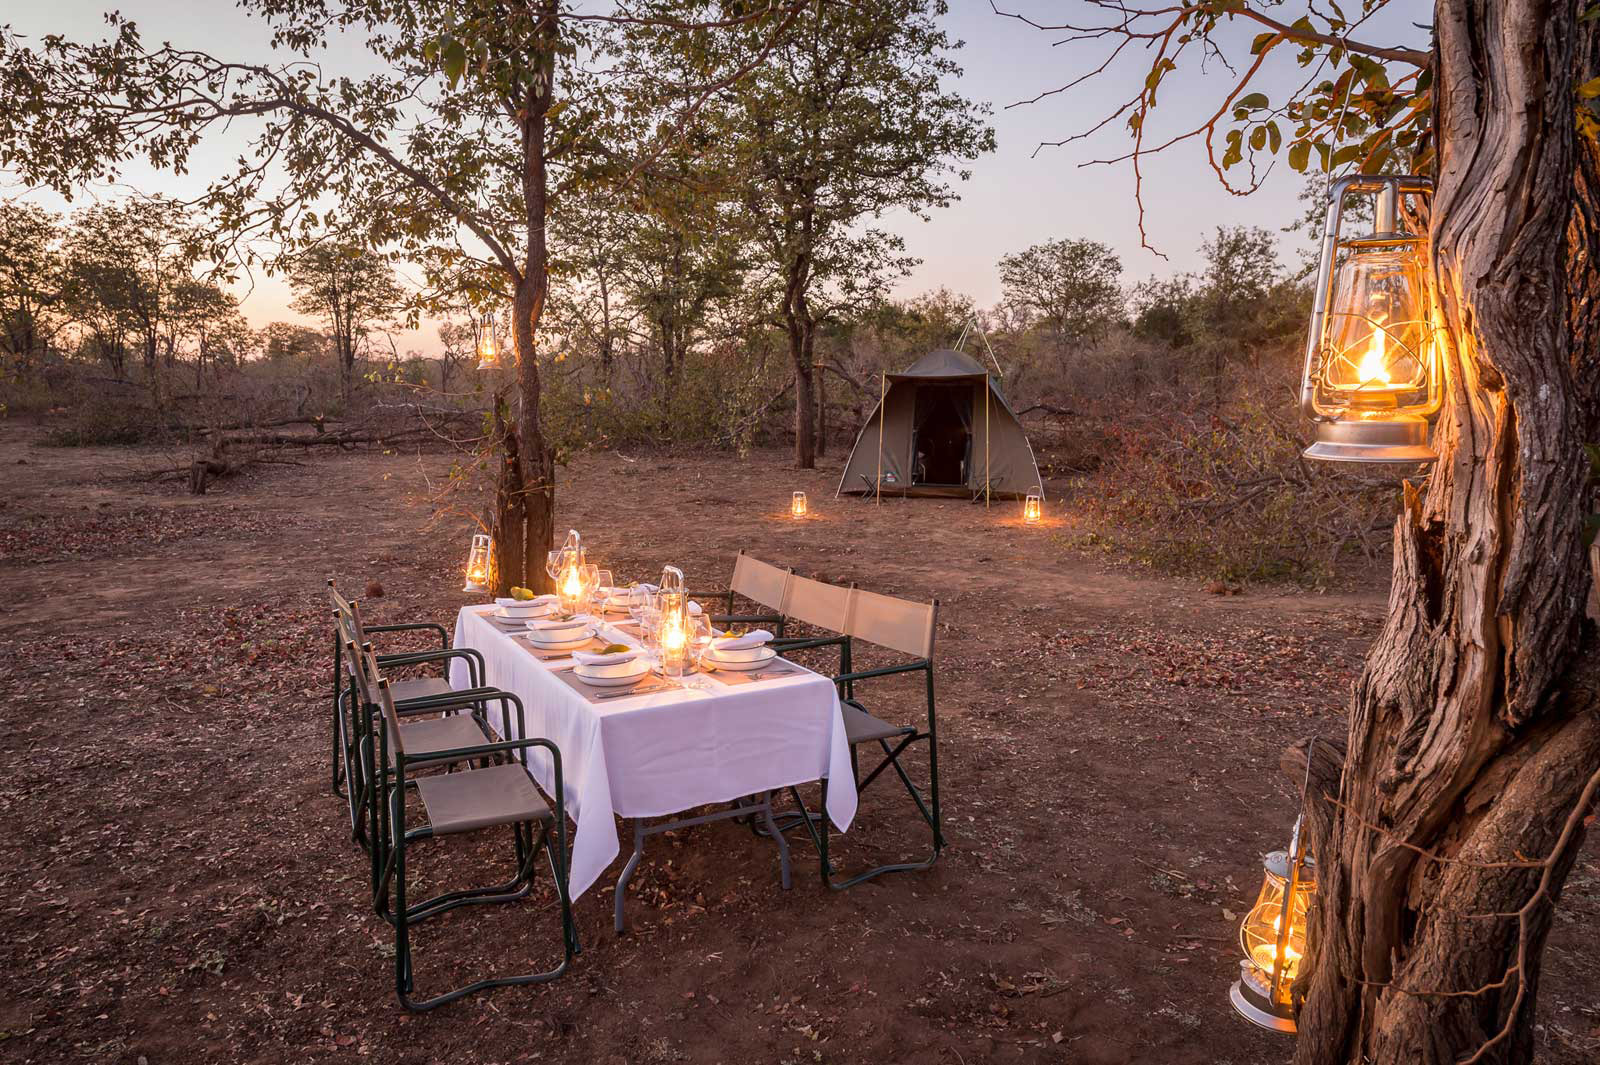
{"x":1473,"y":732}
{"x":508,"y":527}
{"x":822,"y":413}
{"x":537,"y":460}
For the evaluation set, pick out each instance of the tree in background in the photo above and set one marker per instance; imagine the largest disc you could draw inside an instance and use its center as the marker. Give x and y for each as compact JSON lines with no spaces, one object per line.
{"x":444,"y":155}
{"x":1071,"y":287}
{"x":351,"y":290}
{"x":845,"y":120}
{"x":1241,"y":303}
{"x":32,"y":283}
{"x":1472,"y":758}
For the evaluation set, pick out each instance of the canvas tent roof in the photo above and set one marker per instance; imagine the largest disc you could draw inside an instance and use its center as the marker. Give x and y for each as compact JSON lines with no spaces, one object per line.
{"x":943,"y":428}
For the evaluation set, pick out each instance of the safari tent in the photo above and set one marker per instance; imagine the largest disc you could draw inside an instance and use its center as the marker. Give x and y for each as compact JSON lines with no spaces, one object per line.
{"x":942,"y":428}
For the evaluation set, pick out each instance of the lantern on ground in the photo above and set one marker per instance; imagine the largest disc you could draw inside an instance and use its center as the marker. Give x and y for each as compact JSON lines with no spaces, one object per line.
{"x":478,"y":563}
{"x":673,"y":641}
{"x":797,"y":505}
{"x":1371,"y":380}
{"x":488,"y":343}
{"x":1273,"y":936}
{"x":1033,"y":508}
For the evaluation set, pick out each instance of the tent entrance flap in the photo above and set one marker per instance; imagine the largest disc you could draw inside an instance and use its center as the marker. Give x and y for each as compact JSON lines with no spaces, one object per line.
{"x":942,"y":434}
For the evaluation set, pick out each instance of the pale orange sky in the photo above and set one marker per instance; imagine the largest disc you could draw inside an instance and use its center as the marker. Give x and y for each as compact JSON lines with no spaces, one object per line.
{"x":1014,"y":198}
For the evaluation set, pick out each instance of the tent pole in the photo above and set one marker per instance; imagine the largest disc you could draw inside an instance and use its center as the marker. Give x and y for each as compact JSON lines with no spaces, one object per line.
{"x":986,"y":459}
{"x":883,"y":394}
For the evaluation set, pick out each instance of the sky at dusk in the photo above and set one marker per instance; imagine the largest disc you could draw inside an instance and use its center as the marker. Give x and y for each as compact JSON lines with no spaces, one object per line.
{"x":1016,"y":196}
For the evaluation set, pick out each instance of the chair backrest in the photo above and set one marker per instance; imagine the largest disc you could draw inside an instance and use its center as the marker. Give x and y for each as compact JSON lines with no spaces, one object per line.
{"x":894,"y":623}
{"x":759,"y":581}
{"x":826,"y":606}
{"x":375,"y":686}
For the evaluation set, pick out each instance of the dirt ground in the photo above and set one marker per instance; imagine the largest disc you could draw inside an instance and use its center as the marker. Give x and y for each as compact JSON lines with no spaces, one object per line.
{"x":177,"y":882}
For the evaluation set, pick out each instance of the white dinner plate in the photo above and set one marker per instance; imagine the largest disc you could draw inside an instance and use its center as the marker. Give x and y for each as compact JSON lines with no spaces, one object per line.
{"x":641,"y":668}
{"x":759,"y":653}
{"x":566,"y":644}
{"x":768,"y":654}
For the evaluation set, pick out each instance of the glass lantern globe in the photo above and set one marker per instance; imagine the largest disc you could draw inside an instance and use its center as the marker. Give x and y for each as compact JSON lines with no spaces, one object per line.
{"x":488,"y":343}
{"x":672,"y":639}
{"x":1273,"y":938}
{"x":1371,"y":380}
{"x":479,"y":563}
{"x":797,"y":505}
{"x":1033,"y":509}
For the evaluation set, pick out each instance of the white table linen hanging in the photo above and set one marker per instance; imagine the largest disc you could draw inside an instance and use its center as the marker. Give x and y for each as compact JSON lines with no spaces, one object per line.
{"x":663,"y":752}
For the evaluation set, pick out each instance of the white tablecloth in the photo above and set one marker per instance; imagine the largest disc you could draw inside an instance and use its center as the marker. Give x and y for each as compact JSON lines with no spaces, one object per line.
{"x":664,"y":752}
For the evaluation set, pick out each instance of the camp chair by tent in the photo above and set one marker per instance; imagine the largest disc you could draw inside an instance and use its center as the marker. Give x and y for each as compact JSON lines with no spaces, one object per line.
{"x":942,"y":428}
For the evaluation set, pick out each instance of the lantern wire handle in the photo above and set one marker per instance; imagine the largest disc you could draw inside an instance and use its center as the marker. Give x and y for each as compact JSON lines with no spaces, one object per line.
{"x":1297,"y":849}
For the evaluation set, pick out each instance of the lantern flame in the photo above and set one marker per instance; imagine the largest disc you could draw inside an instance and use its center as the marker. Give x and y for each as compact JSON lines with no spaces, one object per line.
{"x":572,"y":587}
{"x":673,"y":637}
{"x":1374,"y":368}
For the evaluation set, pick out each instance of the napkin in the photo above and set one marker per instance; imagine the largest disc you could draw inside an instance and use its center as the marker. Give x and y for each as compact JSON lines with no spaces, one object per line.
{"x":595,"y":658}
{"x":538,"y":600}
{"x":695,"y":611}
{"x":749,"y":640}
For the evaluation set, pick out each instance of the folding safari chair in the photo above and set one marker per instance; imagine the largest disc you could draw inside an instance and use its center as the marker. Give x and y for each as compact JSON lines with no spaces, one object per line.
{"x":405,"y":690}
{"x":900,"y":626}
{"x":761,"y":584}
{"x":498,"y":793}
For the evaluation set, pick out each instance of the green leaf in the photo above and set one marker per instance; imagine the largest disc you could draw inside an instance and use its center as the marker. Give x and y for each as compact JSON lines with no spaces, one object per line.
{"x":1274,"y":138}
{"x":455,"y":61}
{"x":1259,"y":45}
{"x":1589,"y":89}
{"x":1254,"y":101}
{"x":1299,"y":155}
{"x":1258,"y":138}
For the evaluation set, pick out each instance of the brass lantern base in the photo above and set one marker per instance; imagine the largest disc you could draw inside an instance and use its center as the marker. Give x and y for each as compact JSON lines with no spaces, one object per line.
{"x":1398,"y":439}
{"x":1251,"y":1003}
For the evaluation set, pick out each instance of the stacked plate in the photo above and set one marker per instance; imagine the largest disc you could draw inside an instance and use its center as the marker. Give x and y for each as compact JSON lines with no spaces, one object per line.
{"x":560,"y":635}
{"x":746,"y":658}
{"x":613,"y":675}
{"x":523,"y":610}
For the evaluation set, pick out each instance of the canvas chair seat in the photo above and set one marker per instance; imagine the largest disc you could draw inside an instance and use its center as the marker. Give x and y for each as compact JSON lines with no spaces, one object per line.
{"x":499,"y":795}
{"x":451,"y":733}
{"x":419,"y":688}
{"x":862,"y":727}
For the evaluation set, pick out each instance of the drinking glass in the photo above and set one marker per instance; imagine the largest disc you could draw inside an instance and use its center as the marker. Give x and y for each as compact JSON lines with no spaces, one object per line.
{"x":700,"y":636}
{"x":606,"y":587}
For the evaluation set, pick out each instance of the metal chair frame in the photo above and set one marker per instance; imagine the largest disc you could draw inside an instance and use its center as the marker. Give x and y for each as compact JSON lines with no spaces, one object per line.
{"x":391,"y":756}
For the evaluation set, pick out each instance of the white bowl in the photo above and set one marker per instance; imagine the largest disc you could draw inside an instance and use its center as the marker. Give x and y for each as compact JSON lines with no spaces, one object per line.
{"x":743,"y":654}
{"x":627,"y":668}
{"x":553,"y":632}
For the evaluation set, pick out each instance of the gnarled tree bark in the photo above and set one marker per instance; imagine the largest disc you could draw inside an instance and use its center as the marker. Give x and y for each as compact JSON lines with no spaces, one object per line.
{"x":1475,"y":726}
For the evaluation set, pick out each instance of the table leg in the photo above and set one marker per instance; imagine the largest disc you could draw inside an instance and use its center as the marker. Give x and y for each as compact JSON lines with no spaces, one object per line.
{"x":783,"y":844}
{"x":627,"y":873}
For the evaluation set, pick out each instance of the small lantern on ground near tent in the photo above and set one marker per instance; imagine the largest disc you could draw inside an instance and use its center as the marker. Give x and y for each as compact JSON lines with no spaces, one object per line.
{"x":1273,"y":936}
{"x":1033,"y":508}
{"x":797,"y":505}
{"x":674,"y":627}
{"x":478,"y":564}
{"x":1371,"y":380}
{"x":488,"y":343}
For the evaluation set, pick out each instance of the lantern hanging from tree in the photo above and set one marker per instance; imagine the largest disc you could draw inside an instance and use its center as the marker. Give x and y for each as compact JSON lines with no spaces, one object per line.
{"x":488,"y":343}
{"x":1371,"y":380}
{"x":478,"y":563}
{"x":797,"y":505}
{"x":1273,"y":936}
{"x":674,"y":625}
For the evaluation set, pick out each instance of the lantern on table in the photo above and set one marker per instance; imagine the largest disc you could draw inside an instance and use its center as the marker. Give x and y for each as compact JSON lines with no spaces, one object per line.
{"x":479,"y":562}
{"x":574,"y":578}
{"x":673,"y":629}
{"x":797,"y":505}
{"x":488,"y":344}
{"x":1273,"y":936}
{"x":1371,"y":380}
{"x":1033,"y":508}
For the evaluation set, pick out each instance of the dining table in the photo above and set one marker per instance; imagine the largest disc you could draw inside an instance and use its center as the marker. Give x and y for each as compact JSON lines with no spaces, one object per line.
{"x":722,"y":738}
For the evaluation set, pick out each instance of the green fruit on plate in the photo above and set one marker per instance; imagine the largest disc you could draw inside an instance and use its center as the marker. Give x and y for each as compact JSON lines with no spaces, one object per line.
{"x":522,"y":593}
{"x":614,"y":648}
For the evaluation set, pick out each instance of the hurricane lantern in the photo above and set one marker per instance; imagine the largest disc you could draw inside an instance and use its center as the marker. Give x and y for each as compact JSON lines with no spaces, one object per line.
{"x":488,"y":343}
{"x":673,"y":639}
{"x":1273,"y":936}
{"x":571,"y":573}
{"x":797,"y":506}
{"x":1371,"y":380}
{"x":1033,"y":508}
{"x":478,"y":563}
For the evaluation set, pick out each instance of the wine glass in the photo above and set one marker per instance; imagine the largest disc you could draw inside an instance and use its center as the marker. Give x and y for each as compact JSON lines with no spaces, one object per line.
{"x":700,"y":637}
{"x":605,"y":588}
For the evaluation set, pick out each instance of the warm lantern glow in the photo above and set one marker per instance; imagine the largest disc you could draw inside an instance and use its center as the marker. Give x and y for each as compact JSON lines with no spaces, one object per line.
{"x":797,"y":505}
{"x":488,"y":344}
{"x":479,"y":561}
{"x":1273,"y":937}
{"x":1032,"y":510}
{"x":1371,"y":378}
{"x":673,"y":638}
